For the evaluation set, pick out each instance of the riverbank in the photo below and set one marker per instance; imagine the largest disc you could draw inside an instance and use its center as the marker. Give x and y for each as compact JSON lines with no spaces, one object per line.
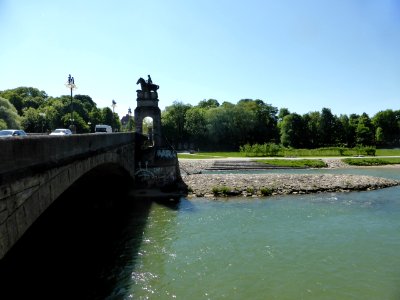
{"x":211,"y":185}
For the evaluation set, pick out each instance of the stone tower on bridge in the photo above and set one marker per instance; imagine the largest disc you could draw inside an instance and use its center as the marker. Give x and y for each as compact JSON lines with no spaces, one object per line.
{"x":147,"y":106}
{"x":156,"y":161}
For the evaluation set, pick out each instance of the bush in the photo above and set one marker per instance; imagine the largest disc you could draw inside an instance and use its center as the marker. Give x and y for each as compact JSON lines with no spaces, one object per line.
{"x":266,"y":149}
{"x":266,"y":191}
{"x":221,"y":190}
{"x":250,"y":190}
{"x":370,"y":151}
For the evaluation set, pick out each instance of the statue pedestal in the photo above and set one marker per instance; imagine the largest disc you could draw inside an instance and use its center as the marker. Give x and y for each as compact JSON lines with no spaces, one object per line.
{"x":147,"y":95}
{"x":147,"y":103}
{"x":147,"y":106}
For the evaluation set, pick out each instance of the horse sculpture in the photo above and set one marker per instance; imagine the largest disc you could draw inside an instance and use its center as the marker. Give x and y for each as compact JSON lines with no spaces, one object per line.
{"x":147,"y":87}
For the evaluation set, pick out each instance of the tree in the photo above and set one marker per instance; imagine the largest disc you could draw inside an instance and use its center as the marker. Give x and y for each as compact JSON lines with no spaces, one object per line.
{"x":292,"y":129}
{"x":107,"y":116}
{"x":210,"y":103}
{"x":351,"y":133}
{"x":24,"y":97}
{"x":265,"y":120}
{"x":86,"y":101}
{"x":116,"y":124}
{"x":31,"y":120}
{"x":55,"y":109}
{"x":327,"y":128}
{"x":3,"y":124}
{"x":311,"y":136}
{"x":195,"y":125}
{"x":229,"y":127}
{"x":130,"y":126}
{"x":9,"y":115}
{"x":283,"y":112}
{"x":15,"y":100}
{"x":95,"y":117}
{"x":173,"y":120}
{"x":379,"y":136}
{"x":365,"y":131}
{"x":387,"y":123}
{"x":80,"y":124}
{"x":344,"y":133}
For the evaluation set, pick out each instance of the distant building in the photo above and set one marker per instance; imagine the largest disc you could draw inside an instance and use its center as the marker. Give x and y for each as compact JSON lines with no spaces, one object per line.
{"x":125,"y":120}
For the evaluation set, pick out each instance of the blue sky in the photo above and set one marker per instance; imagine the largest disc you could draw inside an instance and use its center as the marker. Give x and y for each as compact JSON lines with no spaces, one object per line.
{"x":302,"y":55}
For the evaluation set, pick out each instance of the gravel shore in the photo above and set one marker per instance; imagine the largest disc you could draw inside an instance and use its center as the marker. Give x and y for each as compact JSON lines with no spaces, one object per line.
{"x":211,"y":185}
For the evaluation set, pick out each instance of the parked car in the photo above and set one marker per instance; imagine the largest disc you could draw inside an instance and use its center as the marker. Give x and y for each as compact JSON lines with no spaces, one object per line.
{"x":61,"y":131}
{"x":103,"y":128}
{"x":12,"y":132}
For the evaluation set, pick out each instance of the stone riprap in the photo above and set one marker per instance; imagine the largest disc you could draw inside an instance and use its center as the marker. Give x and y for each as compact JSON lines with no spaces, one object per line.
{"x":211,"y":185}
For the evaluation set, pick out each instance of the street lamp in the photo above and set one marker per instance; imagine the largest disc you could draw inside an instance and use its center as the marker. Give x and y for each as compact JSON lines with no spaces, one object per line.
{"x":43,"y":116}
{"x":114,"y":104}
{"x":71,"y":85}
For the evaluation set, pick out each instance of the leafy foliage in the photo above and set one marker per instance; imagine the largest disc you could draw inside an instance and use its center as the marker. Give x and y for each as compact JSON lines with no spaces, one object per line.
{"x":371,"y":161}
{"x":228,"y":127}
{"x":250,"y":124}
{"x":36,"y":112}
{"x":8,"y":115}
{"x":295,"y":163}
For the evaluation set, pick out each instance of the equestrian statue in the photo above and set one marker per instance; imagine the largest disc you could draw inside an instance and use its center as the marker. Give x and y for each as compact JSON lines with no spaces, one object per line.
{"x":147,"y":86}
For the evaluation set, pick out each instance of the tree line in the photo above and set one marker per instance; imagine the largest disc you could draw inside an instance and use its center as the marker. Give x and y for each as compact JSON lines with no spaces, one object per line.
{"x":34,"y":111}
{"x":213,"y":126}
{"x":208,"y":125}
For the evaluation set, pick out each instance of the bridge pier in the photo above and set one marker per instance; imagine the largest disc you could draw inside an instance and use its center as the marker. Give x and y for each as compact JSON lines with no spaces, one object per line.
{"x":156,"y":161}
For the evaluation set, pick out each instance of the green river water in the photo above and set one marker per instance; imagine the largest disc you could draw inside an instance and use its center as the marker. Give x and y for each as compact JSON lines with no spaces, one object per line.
{"x":321,"y":246}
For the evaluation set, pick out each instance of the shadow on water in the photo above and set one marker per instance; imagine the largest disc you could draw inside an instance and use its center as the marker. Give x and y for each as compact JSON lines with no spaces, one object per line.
{"x":77,"y":248}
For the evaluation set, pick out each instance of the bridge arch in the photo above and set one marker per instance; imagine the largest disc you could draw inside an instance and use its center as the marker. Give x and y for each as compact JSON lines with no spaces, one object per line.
{"x":47,"y":167}
{"x":142,"y":112}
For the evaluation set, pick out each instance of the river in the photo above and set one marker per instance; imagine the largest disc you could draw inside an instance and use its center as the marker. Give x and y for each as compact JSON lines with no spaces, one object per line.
{"x":320,"y":246}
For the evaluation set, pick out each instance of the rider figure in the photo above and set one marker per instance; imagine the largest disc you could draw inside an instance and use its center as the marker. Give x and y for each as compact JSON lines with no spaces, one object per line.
{"x":149,"y":81}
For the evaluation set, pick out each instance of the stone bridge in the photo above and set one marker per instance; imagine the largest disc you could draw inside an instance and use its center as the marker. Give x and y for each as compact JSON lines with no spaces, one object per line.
{"x":36,"y":170}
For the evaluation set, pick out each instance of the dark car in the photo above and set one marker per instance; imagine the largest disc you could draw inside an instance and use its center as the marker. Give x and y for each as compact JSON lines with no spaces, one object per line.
{"x":12,"y":132}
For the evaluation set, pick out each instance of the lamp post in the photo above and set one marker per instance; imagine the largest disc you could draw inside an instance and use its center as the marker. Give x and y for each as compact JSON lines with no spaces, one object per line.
{"x":129,"y":125}
{"x":43,"y":116}
{"x":114,"y":104}
{"x":71,"y":85}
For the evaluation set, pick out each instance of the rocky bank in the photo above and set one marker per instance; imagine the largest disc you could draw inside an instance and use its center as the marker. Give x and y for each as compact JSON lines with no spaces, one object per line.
{"x":211,"y":185}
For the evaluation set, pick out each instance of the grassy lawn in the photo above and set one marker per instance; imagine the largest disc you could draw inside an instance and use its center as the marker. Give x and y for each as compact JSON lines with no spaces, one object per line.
{"x":372,"y":161}
{"x":196,"y":156}
{"x":205,"y":155}
{"x":294,"y":163}
{"x":290,"y":153}
{"x":387,"y":152}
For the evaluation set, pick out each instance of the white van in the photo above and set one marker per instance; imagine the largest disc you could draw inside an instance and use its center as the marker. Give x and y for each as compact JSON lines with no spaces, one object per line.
{"x":103,"y":128}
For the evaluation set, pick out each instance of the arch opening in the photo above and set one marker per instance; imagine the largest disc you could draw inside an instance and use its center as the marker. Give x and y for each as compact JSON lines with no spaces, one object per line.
{"x":147,"y":125}
{"x":77,"y":234}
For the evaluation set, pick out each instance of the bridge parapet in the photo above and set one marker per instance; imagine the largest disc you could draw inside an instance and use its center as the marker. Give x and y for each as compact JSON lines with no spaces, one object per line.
{"x":37,"y":153}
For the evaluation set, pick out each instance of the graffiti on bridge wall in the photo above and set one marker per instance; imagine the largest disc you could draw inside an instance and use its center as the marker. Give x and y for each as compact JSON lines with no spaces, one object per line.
{"x":165,"y":154}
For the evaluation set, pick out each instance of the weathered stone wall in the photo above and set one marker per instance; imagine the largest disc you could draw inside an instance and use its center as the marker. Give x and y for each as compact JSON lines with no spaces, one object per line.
{"x":36,"y":171}
{"x":41,"y":152}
